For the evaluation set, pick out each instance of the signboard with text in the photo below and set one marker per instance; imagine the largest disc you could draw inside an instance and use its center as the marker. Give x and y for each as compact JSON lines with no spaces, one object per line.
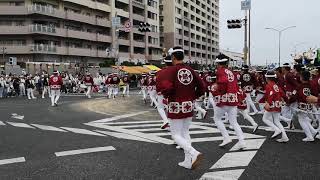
{"x":246,"y":5}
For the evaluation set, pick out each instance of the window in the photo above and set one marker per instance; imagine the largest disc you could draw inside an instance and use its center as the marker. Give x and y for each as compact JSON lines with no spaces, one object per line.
{"x":152,"y":15}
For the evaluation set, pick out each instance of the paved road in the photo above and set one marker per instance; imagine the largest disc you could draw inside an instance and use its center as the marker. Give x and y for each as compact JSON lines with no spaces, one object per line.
{"x":121,"y":139}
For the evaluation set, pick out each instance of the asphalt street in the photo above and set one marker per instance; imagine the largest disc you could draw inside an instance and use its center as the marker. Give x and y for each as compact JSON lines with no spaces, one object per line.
{"x":103,"y":138}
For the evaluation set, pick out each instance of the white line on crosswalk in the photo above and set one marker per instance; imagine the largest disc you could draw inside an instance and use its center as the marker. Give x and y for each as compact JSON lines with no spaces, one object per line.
{"x":234,"y":159}
{"x":23,"y":125}
{"x":141,"y":125}
{"x":13,"y":160}
{"x":2,"y":124}
{"x":48,"y":128}
{"x":119,"y":117}
{"x":82,"y":131}
{"x":133,"y":122}
{"x":191,"y":132}
{"x":124,"y":136}
{"x":223,"y":175}
{"x":84,"y":151}
{"x":251,"y":144}
{"x":132,"y":132}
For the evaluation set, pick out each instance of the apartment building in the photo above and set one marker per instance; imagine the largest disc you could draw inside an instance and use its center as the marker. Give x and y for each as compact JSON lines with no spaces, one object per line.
{"x":78,"y":31}
{"x":192,"y":24}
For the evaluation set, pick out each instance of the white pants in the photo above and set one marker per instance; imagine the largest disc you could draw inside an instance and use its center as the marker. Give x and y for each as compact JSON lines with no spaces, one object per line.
{"x":287,"y":112}
{"x":232,"y":116}
{"x":210,"y":101}
{"x":45,"y":90}
{"x":153,"y":96}
{"x":245,"y":114}
{"x":160,"y":108}
{"x":30,"y":93}
{"x":199,"y":109}
{"x":144,"y":93}
{"x":115,"y":91}
{"x":55,"y":95}
{"x":272,"y":119}
{"x":22,"y":90}
{"x":125,"y":90}
{"x":258,"y":98}
{"x":88,"y":94}
{"x":180,"y":133}
{"x":317,"y":116}
{"x":250,"y":103}
{"x":305,"y":123}
{"x":109,"y":91}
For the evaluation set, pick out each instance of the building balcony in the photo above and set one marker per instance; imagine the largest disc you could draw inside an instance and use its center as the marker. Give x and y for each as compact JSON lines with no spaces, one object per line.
{"x":139,"y":56}
{"x":13,"y":10}
{"x":122,"y":13}
{"x":103,"y":7}
{"x":81,"y":35}
{"x":138,"y":3}
{"x":45,"y":10}
{"x":92,"y":4}
{"x":124,"y":54}
{"x":155,"y":57}
{"x":124,"y":42}
{"x":139,"y":44}
{"x":104,"y":38}
{"x":103,"y":22}
{"x":82,"y":52}
{"x":17,"y":49}
{"x":138,"y":17}
{"x":80,"y":17}
{"x":13,"y":30}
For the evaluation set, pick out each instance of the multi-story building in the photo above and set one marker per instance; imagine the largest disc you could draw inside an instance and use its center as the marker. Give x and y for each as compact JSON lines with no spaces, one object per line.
{"x":192,"y":24}
{"x":78,"y":31}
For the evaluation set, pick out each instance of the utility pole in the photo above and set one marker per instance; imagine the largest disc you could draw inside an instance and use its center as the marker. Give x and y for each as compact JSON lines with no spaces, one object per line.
{"x":3,"y":50}
{"x":245,"y":49}
{"x":249,"y":50}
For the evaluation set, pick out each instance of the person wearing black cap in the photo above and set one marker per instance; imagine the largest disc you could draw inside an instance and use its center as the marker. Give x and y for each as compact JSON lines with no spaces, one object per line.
{"x":152,"y":88}
{"x":108,"y":85}
{"x":143,"y":85}
{"x":126,"y":81}
{"x":161,"y":76}
{"x":182,"y":86}
{"x":225,"y":94}
{"x":305,"y":109}
{"x":88,"y":81}
{"x":260,"y":88}
{"x":247,"y":83}
{"x":273,"y":100}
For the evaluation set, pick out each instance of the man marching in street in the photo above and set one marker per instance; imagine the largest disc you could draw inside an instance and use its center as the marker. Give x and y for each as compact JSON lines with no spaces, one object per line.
{"x":55,"y":83}
{"x":182,"y":86}
{"x":88,"y":81}
{"x":126,"y":81}
{"x":248,"y":82}
{"x":45,"y":84}
{"x":115,"y":85}
{"x":260,"y":91}
{"x":273,"y":100}
{"x":108,"y":85}
{"x":152,"y":88}
{"x":143,"y":85}
{"x":225,"y":94}
{"x":30,"y":85}
{"x":160,"y":99}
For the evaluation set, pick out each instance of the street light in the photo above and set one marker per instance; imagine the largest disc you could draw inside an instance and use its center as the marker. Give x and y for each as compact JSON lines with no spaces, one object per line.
{"x":280,"y":32}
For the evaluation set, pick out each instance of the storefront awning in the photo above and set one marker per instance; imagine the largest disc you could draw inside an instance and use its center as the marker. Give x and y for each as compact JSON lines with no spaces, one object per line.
{"x":132,"y":69}
{"x":152,"y":67}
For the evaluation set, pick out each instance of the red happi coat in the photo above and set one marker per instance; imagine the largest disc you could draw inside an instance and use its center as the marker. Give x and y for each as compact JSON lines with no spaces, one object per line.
{"x":88,"y":81}
{"x":181,"y":85}
{"x":274,"y":95}
{"x":55,"y":82}
{"x":303,"y":91}
{"x":247,"y":82}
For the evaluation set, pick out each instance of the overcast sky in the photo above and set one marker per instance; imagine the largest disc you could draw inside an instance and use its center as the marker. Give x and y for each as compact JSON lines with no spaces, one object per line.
{"x":278,"y":14}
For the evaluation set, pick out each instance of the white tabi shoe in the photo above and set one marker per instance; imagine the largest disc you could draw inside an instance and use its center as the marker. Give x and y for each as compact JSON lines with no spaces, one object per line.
{"x":283,"y":140}
{"x":241,"y":145}
{"x":164,"y":125}
{"x":275,"y":134}
{"x":308,"y":139}
{"x":196,"y":159}
{"x":318,"y":136}
{"x":187,"y":163}
{"x":225,"y":142}
{"x":255,"y":128}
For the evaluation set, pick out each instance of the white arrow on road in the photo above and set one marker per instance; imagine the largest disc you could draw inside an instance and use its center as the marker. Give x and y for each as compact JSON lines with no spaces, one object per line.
{"x":16,"y":116}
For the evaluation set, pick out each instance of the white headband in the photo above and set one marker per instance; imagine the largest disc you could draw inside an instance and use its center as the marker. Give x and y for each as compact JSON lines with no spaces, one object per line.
{"x":271,"y":76}
{"x":287,"y":65}
{"x":171,"y":51}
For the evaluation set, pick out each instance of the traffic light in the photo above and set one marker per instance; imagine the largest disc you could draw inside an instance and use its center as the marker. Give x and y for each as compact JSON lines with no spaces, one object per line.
{"x":234,"y":24}
{"x":144,"y":27}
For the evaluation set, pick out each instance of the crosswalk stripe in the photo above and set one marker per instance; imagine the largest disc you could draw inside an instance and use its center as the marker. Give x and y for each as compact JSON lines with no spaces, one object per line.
{"x":191,"y":132}
{"x":119,"y":117}
{"x":251,"y":144}
{"x":84,"y":151}
{"x":13,"y":160}
{"x":2,"y":124}
{"x":124,"y":136}
{"x":23,"y":125}
{"x":48,"y":128}
{"x":140,"y":126}
{"x":206,"y":139}
{"x":223,"y":175}
{"x":134,"y":133}
{"x":234,"y":159}
{"x":133,"y":122}
{"x":82,"y":131}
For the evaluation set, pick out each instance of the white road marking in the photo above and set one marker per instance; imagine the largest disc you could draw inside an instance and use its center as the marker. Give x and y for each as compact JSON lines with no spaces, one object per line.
{"x":141,"y":125}
{"x":48,"y":128}
{"x":13,"y":160}
{"x":234,"y":159}
{"x":133,"y":133}
{"x":16,"y":116}
{"x":82,"y":131}
{"x":2,"y":124}
{"x":134,"y":122}
{"x":84,"y":151}
{"x":223,"y":175}
{"x":191,"y":132}
{"x":119,"y":117}
{"x":124,"y":136}
{"x":251,"y":144}
{"x":23,"y":125}
{"x":100,"y":98}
